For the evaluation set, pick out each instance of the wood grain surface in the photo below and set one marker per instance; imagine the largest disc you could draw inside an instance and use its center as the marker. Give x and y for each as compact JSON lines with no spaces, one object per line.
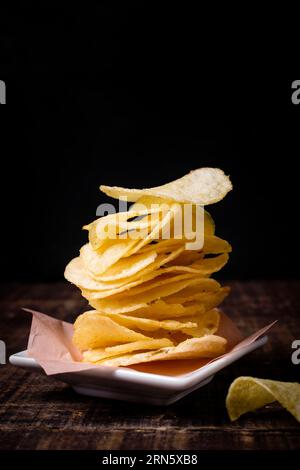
{"x":37,"y":412}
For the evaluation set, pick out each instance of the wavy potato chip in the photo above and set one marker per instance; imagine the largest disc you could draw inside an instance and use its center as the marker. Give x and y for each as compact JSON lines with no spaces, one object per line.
{"x":249,"y":393}
{"x":192,"y":293}
{"x":133,"y":302}
{"x":159,"y":261}
{"x":209,"y":346}
{"x":154,"y":234}
{"x":128,"y":270}
{"x":215,"y":245}
{"x":97,"y":331}
{"x":99,"y":261}
{"x":77,"y":274}
{"x":207,"y":324}
{"x":160,"y":310}
{"x":127,"y":267}
{"x":202,"y":186}
{"x":112,"y":226}
{"x":158,"y":284}
{"x":210,"y":265}
{"x":149,"y":324}
{"x":119,"y":289}
{"x":98,"y":354}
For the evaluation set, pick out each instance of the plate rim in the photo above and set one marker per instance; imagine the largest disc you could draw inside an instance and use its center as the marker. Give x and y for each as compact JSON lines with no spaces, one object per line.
{"x":122,"y":374}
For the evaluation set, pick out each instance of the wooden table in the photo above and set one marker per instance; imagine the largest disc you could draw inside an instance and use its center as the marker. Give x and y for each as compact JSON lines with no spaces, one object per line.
{"x":37,"y":412}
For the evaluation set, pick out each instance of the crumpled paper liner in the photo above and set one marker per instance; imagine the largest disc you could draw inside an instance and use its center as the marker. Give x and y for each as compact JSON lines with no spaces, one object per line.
{"x":50,"y":344}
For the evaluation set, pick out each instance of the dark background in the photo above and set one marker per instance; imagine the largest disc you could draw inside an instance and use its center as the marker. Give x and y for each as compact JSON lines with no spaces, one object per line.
{"x":126,"y":97}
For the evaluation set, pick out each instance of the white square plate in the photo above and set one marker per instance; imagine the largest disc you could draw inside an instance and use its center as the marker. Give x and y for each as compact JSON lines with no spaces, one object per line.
{"x":138,"y":384}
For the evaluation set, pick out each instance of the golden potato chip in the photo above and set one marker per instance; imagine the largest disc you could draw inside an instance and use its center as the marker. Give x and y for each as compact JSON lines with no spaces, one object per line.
{"x":215,"y":245}
{"x":92,"y":330}
{"x":202,"y":186}
{"x":160,"y":310}
{"x":127,"y":267}
{"x":209,"y":346}
{"x":99,"y":261}
{"x":212,"y":300}
{"x":149,"y":324}
{"x":173,"y":211}
{"x":210,"y":265}
{"x":249,"y":393}
{"x":163,"y":246}
{"x":133,"y":302}
{"x":112,"y":225}
{"x":207,"y":324}
{"x":77,"y":274}
{"x":199,"y":265}
{"x":96,"y":355}
{"x":151,"y":281}
{"x":132,"y":265}
{"x":186,"y":258}
{"x":128,"y":270}
{"x":192,"y":292}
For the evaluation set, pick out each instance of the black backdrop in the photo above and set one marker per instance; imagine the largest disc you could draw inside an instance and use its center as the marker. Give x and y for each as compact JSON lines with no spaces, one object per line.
{"x":122,"y":98}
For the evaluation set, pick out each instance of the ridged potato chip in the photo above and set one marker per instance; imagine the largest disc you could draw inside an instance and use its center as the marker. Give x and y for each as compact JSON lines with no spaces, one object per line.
{"x":249,"y":393}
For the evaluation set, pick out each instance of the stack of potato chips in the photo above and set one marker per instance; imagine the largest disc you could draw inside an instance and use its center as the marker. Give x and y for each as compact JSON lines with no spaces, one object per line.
{"x":152,"y":294}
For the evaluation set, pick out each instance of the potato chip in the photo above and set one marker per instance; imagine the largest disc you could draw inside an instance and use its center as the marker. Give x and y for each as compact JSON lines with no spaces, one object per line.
{"x":215,"y":245}
{"x":173,"y":211}
{"x":99,"y":290}
{"x":133,"y":302}
{"x":96,"y":355}
{"x":210,"y":265}
{"x":112,"y":225}
{"x":98,"y":262}
{"x":160,"y":310}
{"x":96,"y":331}
{"x":209,"y":346}
{"x":151,"y":282}
{"x":207,"y":323}
{"x":127,"y":267}
{"x":76,"y":273}
{"x":148,"y":324}
{"x":202,"y":186}
{"x":186,"y":258}
{"x":161,"y":259}
{"x":249,"y":393}
{"x":192,"y":292}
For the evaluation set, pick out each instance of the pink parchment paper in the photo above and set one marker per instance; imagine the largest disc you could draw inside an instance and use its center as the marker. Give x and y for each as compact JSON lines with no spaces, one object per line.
{"x":50,"y":344}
